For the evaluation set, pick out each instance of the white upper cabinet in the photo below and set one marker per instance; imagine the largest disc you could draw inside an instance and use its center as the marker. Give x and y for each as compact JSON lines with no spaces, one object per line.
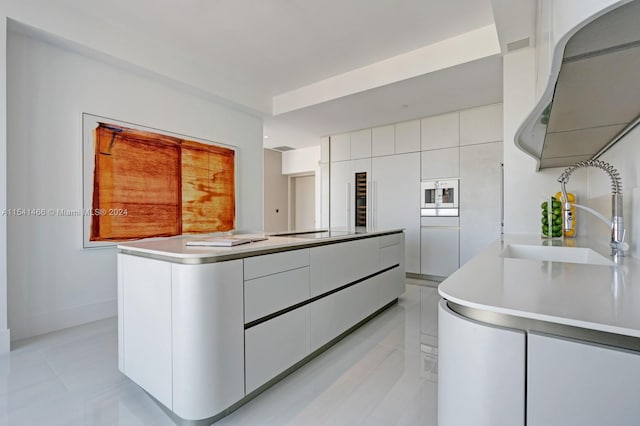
{"x":441,"y":131}
{"x":480,"y":125}
{"x":383,"y":141}
{"x":361,"y":144}
{"x":408,"y":137}
{"x":340,"y":147}
{"x":440,"y":163}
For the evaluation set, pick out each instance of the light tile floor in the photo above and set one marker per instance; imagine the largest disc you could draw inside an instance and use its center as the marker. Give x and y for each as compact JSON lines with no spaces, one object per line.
{"x":384,"y":373}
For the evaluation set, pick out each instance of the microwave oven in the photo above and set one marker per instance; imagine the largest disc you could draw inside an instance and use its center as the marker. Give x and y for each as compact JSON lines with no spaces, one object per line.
{"x":439,"y":197}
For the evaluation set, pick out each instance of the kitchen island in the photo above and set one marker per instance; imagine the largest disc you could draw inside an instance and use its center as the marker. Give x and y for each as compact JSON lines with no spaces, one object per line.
{"x":205,"y":329}
{"x":540,"y":332}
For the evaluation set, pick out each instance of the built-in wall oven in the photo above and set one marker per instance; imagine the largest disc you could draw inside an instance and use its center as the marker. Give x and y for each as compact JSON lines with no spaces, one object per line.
{"x":439,"y":197}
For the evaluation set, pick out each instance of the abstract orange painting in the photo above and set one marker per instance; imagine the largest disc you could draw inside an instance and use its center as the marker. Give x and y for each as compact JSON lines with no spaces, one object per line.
{"x":149,"y":183}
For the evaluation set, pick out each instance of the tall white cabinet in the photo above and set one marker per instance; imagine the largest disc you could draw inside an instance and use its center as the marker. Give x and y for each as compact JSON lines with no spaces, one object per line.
{"x":393,"y":182}
{"x":396,"y":200}
{"x":465,"y":145}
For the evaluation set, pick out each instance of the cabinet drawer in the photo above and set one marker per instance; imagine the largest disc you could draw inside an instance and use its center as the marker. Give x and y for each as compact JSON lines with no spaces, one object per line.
{"x":275,"y":345}
{"x":335,"y":265}
{"x":390,"y":240}
{"x":271,"y":293}
{"x":334,"y":314}
{"x":268,"y":264}
{"x":390,"y":255}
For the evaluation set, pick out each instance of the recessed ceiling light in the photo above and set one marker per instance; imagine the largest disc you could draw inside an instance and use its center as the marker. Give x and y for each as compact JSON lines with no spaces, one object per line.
{"x":266,"y":136}
{"x":404,"y":106}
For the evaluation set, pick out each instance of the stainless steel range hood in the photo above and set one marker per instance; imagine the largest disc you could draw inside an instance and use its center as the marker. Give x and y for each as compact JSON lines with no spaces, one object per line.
{"x":597,"y":95}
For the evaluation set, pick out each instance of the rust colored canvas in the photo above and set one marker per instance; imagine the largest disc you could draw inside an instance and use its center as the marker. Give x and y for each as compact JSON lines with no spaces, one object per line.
{"x":149,"y":184}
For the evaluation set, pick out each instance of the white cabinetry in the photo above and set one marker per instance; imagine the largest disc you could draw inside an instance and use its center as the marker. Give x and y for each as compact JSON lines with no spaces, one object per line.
{"x":361,"y":144}
{"x":481,"y":372}
{"x":480,"y":125}
{"x":408,"y":137}
{"x":274,"y":282}
{"x":175,"y":319}
{"x":396,"y":200}
{"x":206,"y":316}
{"x":329,"y":269}
{"x":440,"y":163}
{"x":275,"y":345}
{"x":383,"y":141}
{"x":343,"y":193}
{"x":480,"y":197}
{"x":573,"y":383}
{"x":340,"y":147}
{"x":439,"y":253}
{"x":146,"y":287}
{"x":441,"y":131}
{"x":341,"y":183}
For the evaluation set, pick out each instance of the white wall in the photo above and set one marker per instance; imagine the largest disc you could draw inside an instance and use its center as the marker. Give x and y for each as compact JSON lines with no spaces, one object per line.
{"x":525,"y":189}
{"x":307,"y":161}
{"x":276,"y":193}
{"x":54,"y":282}
{"x":624,"y":156}
{"x":303,"y":160}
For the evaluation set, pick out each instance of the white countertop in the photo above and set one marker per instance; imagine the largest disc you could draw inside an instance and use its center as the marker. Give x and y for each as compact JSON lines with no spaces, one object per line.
{"x":598,"y":297}
{"x":175,"y":248}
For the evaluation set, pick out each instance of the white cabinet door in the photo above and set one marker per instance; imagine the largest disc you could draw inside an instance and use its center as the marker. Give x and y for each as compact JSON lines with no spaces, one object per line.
{"x":340,"y":147}
{"x":330,"y":268}
{"x":275,"y":345}
{"x":336,"y":313}
{"x":383,"y":141}
{"x":441,"y":131}
{"x":573,"y":383}
{"x":440,"y":163}
{"x":391,"y":285}
{"x":341,"y":187}
{"x":343,"y":191}
{"x":481,"y":372}
{"x":408,"y":136}
{"x":396,"y":200}
{"x":480,"y":197}
{"x":439,"y":251}
{"x":482,"y":124}
{"x":361,"y":144}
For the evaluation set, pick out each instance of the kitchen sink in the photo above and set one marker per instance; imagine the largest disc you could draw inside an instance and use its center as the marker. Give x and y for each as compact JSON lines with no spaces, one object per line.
{"x":555,"y":254}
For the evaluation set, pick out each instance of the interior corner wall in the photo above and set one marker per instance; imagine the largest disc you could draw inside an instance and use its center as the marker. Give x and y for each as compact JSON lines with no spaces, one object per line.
{"x":276,"y":193}
{"x":4,"y":330}
{"x":524,"y":188}
{"x":625,"y":157}
{"x":54,"y":283}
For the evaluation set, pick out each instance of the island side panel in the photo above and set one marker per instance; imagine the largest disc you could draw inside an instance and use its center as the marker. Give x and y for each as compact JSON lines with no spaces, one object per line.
{"x":208,"y":338}
{"x":145,"y":312}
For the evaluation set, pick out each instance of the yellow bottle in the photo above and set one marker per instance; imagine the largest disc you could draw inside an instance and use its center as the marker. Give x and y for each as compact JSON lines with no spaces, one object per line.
{"x":572,"y":199}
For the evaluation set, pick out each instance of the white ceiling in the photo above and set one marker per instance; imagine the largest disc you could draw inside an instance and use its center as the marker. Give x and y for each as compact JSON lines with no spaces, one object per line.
{"x":248,"y":51}
{"x":279,"y":45}
{"x":468,"y":85}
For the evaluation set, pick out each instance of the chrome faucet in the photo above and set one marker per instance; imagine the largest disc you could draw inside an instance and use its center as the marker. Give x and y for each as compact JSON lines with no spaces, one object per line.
{"x":617,"y":243}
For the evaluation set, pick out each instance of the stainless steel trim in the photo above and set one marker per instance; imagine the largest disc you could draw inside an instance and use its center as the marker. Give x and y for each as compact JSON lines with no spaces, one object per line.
{"x":562,"y":330}
{"x":259,"y":252}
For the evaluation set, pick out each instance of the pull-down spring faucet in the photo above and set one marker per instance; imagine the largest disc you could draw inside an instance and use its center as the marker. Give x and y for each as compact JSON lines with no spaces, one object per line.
{"x":617,"y":243}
